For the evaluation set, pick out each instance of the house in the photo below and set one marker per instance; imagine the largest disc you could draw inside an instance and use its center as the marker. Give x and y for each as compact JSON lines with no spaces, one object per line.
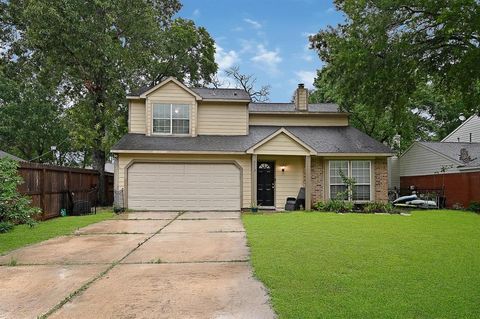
{"x":452,"y":164}
{"x":10,"y":156}
{"x":212,"y":149}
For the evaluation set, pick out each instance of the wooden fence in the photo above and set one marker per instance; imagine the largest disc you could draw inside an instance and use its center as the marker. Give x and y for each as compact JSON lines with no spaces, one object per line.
{"x":51,"y":187}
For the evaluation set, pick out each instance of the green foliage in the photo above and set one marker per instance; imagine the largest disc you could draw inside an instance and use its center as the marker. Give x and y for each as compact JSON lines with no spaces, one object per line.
{"x":5,"y":227}
{"x":335,"y":206}
{"x":474,"y":207}
{"x":368,"y":266}
{"x":402,"y":68}
{"x":378,"y":207}
{"x":14,"y":207}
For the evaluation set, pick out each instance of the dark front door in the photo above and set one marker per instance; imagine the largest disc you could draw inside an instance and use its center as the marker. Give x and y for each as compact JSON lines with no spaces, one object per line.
{"x":265,"y":183}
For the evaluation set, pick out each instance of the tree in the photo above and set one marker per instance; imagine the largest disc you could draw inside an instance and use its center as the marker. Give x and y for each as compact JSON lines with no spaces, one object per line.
{"x":248,"y":82}
{"x":32,"y":119}
{"x":390,"y":56}
{"x":97,"y":50}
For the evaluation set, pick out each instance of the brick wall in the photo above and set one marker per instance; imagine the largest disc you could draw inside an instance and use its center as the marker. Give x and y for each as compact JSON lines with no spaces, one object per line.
{"x":317,"y":179}
{"x":381,"y":180}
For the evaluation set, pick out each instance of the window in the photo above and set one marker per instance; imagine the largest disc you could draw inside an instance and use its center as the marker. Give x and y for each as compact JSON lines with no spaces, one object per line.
{"x":359,"y":171}
{"x":171,"y":119}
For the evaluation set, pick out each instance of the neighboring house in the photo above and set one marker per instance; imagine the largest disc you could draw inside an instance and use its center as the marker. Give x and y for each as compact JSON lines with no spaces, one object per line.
{"x":452,"y":164}
{"x":5,"y":154}
{"x":212,"y":149}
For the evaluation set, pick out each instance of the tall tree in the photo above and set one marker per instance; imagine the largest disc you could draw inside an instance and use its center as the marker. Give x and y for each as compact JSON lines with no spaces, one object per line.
{"x":96,"y":50}
{"x":388,"y":57}
{"x":248,"y":82}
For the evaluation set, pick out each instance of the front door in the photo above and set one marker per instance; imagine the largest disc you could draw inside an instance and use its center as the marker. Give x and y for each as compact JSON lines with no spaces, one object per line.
{"x":265,"y":183}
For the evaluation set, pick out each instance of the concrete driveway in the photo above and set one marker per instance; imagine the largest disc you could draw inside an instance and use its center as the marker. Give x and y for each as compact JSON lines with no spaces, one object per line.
{"x":141,"y":265}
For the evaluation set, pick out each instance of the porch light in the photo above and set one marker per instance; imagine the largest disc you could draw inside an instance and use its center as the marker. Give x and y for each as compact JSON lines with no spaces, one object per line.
{"x":282,"y":168}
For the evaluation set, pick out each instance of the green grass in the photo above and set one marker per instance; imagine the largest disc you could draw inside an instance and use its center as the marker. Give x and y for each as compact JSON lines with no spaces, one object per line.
{"x":23,"y":235}
{"x":323,"y":265}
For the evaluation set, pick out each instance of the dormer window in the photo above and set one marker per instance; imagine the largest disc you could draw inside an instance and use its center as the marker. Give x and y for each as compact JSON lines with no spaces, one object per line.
{"x":171,"y":119}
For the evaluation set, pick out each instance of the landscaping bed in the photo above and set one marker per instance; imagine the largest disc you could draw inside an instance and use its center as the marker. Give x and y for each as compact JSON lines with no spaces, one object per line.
{"x":327,"y":265}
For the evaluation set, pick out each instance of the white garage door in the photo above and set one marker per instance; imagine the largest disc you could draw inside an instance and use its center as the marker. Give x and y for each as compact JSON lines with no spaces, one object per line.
{"x":183,"y":186}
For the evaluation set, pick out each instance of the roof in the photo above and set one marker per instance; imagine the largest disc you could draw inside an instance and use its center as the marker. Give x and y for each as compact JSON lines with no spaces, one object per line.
{"x":342,"y":139}
{"x":290,"y":107}
{"x":222,"y":94}
{"x":206,"y":93}
{"x":5,"y":154}
{"x":453,"y":150}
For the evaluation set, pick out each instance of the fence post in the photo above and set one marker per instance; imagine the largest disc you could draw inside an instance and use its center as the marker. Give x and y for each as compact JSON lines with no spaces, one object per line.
{"x":42,"y":190}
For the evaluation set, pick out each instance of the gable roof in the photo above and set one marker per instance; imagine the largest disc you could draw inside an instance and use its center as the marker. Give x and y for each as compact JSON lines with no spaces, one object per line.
{"x":290,"y":108}
{"x":151,"y":89}
{"x":323,"y":140}
{"x":220,"y":94}
{"x":277,"y":133}
{"x":452,"y":151}
{"x":5,"y":154}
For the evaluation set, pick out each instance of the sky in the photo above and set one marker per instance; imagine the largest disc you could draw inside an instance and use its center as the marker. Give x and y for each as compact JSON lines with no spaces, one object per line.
{"x":266,"y":38}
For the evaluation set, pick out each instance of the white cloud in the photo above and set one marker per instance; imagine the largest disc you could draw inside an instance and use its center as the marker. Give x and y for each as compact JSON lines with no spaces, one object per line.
{"x":196,"y":12}
{"x":225,"y":59}
{"x":306,"y":77}
{"x":266,"y":58}
{"x":253,"y":23}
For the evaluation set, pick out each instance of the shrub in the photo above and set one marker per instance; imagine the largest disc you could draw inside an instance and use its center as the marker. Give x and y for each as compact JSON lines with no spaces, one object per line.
{"x":474,"y":207}
{"x":14,"y":207}
{"x":5,"y":227}
{"x":335,"y":205}
{"x":378,"y":207}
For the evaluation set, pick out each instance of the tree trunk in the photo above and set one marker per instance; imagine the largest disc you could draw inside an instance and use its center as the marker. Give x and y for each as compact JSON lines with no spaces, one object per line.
{"x":98,"y":164}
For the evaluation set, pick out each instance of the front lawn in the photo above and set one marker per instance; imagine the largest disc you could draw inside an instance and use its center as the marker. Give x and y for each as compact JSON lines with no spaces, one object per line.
{"x":324,"y":265}
{"x":23,"y":235}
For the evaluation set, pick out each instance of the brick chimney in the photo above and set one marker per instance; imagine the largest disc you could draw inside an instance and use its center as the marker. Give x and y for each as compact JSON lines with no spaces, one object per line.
{"x":301,"y":98}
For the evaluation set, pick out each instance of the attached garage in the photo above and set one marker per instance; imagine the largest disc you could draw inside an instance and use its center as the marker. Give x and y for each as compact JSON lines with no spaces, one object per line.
{"x":184,"y":186}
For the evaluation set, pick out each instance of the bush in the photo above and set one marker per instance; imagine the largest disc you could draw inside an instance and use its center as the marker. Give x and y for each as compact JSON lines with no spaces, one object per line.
{"x":5,"y":227}
{"x":14,"y":207}
{"x":474,"y":207}
{"x":378,"y":207}
{"x":335,"y":205}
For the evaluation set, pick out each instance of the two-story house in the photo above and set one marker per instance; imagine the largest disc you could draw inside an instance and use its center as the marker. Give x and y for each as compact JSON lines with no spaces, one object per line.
{"x":213,"y":149}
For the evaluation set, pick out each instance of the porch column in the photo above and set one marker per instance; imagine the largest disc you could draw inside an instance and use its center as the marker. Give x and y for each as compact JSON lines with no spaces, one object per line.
{"x":308,"y":182}
{"x":254,"y":179}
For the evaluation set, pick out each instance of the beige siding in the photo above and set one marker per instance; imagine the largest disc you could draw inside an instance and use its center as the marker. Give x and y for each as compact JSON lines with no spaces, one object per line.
{"x":298,"y":120}
{"x":462,"y":133}
{"x":282,"y":145}
{"x":222,"y":119}
{"x":172,"y":93}
{"x":419,"y":160}
{"x":243,"y":160}
{"x":137,"y":120}
{"x":288,"y":183}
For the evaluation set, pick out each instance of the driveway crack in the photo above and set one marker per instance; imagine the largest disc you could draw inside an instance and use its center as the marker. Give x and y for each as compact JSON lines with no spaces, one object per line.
{"x":103,"y":273}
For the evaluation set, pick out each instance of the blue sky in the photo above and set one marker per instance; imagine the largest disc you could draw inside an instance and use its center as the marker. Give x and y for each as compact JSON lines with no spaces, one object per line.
{"x":266,"y":38}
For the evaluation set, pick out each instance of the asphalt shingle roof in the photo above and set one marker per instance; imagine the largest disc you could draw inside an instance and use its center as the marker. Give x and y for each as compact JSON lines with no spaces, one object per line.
{"x":207,"y":93}
{"x":290,"y":107}
{"x":453,"y":150}
{"x":5,"y":154}
{"x":343,"y":139}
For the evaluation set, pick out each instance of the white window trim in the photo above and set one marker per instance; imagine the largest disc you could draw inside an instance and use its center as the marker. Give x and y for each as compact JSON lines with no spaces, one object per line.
{"x":349,"y":174}
{"x":171,"y":119}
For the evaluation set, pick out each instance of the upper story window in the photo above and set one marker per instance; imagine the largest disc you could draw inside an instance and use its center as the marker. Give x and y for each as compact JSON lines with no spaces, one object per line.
{"x":171,"y":118}
{"x":360,"y":171}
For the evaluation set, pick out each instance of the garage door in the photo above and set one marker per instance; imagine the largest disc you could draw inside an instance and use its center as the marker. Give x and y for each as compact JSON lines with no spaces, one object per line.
{"x":183,"y":186}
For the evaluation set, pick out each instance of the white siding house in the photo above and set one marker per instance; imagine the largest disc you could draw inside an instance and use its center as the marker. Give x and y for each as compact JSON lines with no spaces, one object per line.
{"x":469,"y":129}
